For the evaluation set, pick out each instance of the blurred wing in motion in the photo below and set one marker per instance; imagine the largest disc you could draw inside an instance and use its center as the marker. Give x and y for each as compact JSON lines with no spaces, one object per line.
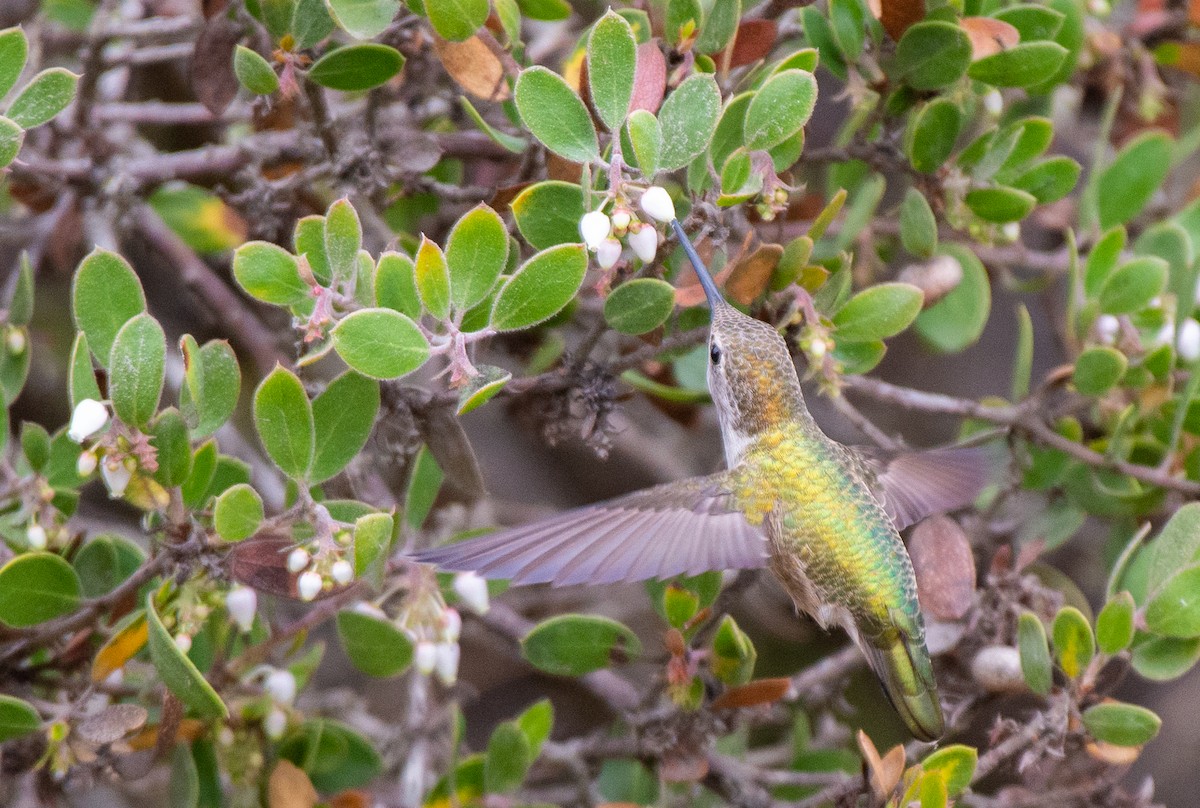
{"x":681,"y":528}
{"x":913,"y":485}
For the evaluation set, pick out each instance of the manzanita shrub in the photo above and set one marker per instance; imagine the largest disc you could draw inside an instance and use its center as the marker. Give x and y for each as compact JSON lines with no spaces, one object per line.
{"x":265,"y":256}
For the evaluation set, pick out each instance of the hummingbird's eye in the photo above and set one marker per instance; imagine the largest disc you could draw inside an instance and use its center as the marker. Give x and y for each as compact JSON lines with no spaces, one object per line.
{"x":714,"y":353}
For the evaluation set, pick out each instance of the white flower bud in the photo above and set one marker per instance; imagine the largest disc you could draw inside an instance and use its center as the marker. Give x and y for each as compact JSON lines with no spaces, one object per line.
{"x":993,"y":102}
{"x":242,"y":603}
{"x":116,"y":476}
{"x":280,"y":685}
{"x":1011,"y":232}
{"x":86,"y":463}
{"x":35,"y":534}
{"x":1165,"y":335}
{"x":657,"y":202}
{"x":342,"y":571}
{"x":88,"y":418}
{"x":644,"y":242}
{"x":608,"y":253}
{"x":621,"y":219}
{"x":297,"y":560}
{"x":16,"y":341}
{"x":451,"y":625}
{"x":183,"y":642}
{"x":1107,"y":328}
{"x":309,"y":585}
{"x":425,"y":657}
{"x":473,"y":591}
{"x":997,"y":668}
{"x":1188,"y":341}
{"x":447,"y":662}
{"x":818,"y":348}
{"x":275,"y":724}
{"x":594,"y":227}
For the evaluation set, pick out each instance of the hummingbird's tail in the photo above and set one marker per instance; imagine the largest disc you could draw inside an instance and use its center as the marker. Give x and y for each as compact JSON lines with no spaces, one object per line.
{"x":902,"y":664}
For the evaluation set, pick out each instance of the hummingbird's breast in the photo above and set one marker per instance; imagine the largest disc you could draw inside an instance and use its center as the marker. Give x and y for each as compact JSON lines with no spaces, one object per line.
{"x":832,"y":545}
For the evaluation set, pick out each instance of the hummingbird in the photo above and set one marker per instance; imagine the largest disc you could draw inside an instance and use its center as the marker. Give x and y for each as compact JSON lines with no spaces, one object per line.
{"x":823,"y":517}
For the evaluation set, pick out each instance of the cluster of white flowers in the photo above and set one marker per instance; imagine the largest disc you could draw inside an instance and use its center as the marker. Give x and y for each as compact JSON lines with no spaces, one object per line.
{"x":280,"y":685}
{"x":314,"y":574}
{"x":603,"y":234}
{"x":87,"y":419}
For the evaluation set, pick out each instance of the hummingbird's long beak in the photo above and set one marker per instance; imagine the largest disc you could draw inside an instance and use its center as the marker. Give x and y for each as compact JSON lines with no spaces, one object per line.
{"x":715,"y":300}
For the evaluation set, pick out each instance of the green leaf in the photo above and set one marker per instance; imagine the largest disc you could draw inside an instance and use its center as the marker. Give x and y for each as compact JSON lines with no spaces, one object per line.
{"x":481,"y":388}
{"x":396,"y":284}
{"x":688,"y":119}
{"x":780,"y":108}
{"x":183,"y":789}
{"x":376,"y":647}
{"x":269,"y":273}
{"x":1023,"y":65}
{"x":1114,"y":625}
{"x":309,"y":241}
{"x":105,"y":295}
{"x":847,"y":21}
{"x":1121,"y":724}
{"x":212,"y":382}
{"x":204,"y":467}
{"x":734,"y":654}
{"x":36,"y":587}
{"x":1162,"y":659}
{"x":35,"y":444}
{"x":1177,"y":546}
{"x":682,"y":20}
{"x":254,"y":72}
{"x":536,"y":723}
{"x":611,"y":61}
{"x":456,"y":19}
{"x":555,"y":115}
{"x":1049,"y":180}
{"x":540,"y":287}
{"x":1000,"y":204}
{"x":12,"y":137}
{"x":364,"y":19}
{"x":178,"y":672}
{"x":476,"y":254}
{"x":931,"y":55}
{"x":81,"y":378}
{"x":639,"y":305}
{"x":1102,"y":260}
{"x":1074,"y":645}
{"x":17,"y":717}
{"x":343,"y":240}
{"x":878,"y":312}
{"x":1127,"y":184}
{"x":645,"y":138}
{"x":1133,"y":285}
{"x":334,"y":756}
{"x":548,"y":213}
{"x":237,"y":513}
{"x":372,"y":539}
{"x":934,"y":132}
{"x":357,"y":67}
{"x":575,"y":644}
{"x":14,"y":49}
{"x":954,"y":765}
{"x":380,"y":343}
{"x":169,"y":437}
{"x":284,"y":420}
{"x":1098,"y":370}
{"x":1035,"y":655}
{"x":957,"y":320}
{"x":343,"y":417}
{"x":433,"y":279}
{"x":719,"y":26}
{"x":136,"y":370}
{"x":105,"y":562}
{"x":918,"y":227}
{"x":311,"y":21}
{"x":508,"y":759}
{"x":43,"y":98}
{"x":1033,"y":22}
{"x":730,"y":132}
{"x":424,"y":482}
{"x":1174,"y":611}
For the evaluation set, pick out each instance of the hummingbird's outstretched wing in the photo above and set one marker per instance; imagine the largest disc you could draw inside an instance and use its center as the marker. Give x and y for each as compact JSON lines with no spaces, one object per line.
{"x":913,"y":485}
{"x":680,"y":528}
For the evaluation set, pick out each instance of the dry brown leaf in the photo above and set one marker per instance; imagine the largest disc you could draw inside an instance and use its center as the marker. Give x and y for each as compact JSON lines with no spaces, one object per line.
{"x":289,"y":787}
{"x":189,"y":730}
{"x":989,"y":36}
{"x":474,"y":66}
{"x":212,"y":77}
{"x":753,"y":694}
{"x":749,"y":277}
{"x":1112,"y":754}
{"x":753,"y":41}
{"x":898,"y":15}
{"x":111,"y":724}
{"x":261,"y":563}
{"x":688,"y":291}
{"x":945,"y":567}
{"x":886,"y":771}
{"x":119,"y":649}
{"x":351,"y":799}
{"x":649,"y":78}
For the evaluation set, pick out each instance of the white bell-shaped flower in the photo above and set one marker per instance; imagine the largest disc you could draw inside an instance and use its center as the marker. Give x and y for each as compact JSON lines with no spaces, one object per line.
{"x":275,"y":724}
{"x":242,"y":603}
{"x":657,"y":203}
{"x":35,"y":534}
{"x":280,"y":685}
{"x":309,"y":585}
{"x":608,"y":253}
{"x":473,"y":591}
{"x":447,"y":662}
{"x":1188,"y":341}
{"x":644,"y":242}
{"x":116,"y":476}
{"x":1107,"y":328}
{"x":425,"y":657}
{"x":88,"y":418}
{"x":297,"y":560}
{"x":342,"y":572}
{"x":594,"y":227}
{"x":86,"y":463}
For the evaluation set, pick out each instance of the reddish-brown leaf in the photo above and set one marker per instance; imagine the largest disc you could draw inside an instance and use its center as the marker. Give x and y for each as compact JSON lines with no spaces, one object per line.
{"x":945,"y":567}
{"x":898,"y":15}
{"x":689,"y":292}
{"x":753,"y":41}
{"x":212,"y":77}
{"x":351,"y":799}
{"x":989,"y":36}
{"x":289,"y":787}
{"x":261,"y":563}
{"x":750,"y":275}
{"x":885,"y":771}
{"x":753,"y":694}
{"x":683,"y":768}
{"x":649,"y":78}
{"x":474,"y":66}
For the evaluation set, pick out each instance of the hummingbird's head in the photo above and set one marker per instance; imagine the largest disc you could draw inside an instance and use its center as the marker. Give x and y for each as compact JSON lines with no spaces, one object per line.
{"x":750,"y":372}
